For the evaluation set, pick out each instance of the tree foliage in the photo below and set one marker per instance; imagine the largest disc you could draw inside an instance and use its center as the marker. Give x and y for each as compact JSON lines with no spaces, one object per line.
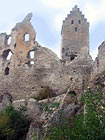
{"x":13,"y":124}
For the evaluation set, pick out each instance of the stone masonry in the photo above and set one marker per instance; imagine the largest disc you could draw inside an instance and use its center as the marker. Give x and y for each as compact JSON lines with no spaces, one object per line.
{"x":75,"y":35}
{"x":27,"y":67}
{"x":99,"y":63}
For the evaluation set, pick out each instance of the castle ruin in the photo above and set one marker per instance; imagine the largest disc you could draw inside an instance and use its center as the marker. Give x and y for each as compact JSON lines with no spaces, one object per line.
{"x":75,"y":35}
{"x":27,"y":67}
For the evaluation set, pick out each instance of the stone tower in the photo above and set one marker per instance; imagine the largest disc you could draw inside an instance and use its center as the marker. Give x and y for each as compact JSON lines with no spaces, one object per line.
{"x":75,"y":35}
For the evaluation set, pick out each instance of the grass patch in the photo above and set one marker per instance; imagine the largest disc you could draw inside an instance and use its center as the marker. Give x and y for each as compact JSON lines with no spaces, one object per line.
{"x":49,"y":107}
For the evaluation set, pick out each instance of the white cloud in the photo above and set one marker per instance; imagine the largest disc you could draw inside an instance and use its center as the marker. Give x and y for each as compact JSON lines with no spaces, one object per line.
{"x":94,"y":12}
{"x":58,"y":3}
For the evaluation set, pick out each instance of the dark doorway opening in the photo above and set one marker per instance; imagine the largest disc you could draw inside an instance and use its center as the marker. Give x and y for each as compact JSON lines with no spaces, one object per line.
{"x":72,"y":57}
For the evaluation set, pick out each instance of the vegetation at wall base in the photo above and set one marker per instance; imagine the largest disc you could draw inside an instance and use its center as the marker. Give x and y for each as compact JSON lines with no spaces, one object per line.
{"x":49,"y":107}
{"x":13,"y":124}
{"x":89,"y":125}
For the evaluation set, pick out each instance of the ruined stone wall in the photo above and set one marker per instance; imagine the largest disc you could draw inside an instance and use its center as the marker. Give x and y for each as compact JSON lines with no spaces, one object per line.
{"x":75,"y":48}
{"x":101,"y":57}
{"x":99,"y":63}
{"x":81,"y":69}
{"x":24,"y":76}
{"x":75,"y":35}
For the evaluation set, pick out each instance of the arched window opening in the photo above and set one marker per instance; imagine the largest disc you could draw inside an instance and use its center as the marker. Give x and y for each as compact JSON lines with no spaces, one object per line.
{"x":79,"y":22}
{"x":6,"y":72}
{"x":75,"y":29}
{"x":7,"y":54}
{"x":31,"y":54}
{"x":72,"y":22}
{"x":26,"y":37}
{"x":9,"y":40}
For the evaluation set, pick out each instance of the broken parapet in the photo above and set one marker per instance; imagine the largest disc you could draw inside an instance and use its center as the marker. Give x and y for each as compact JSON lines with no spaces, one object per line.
{"x":30,"y":67}
{"x":28,"y":17}
{"x":99,"y":64}
{"x":26,"y":20}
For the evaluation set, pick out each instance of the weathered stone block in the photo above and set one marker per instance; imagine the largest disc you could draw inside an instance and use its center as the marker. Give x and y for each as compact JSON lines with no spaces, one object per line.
{"x":19,"y":104}
{"x":33,"y":109}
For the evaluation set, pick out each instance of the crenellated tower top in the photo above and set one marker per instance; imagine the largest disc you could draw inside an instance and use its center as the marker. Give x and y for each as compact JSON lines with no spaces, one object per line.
{"x":75,"y":35}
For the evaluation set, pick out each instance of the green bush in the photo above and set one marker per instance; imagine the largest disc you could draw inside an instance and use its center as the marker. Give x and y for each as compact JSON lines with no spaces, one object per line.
{"x":13,"y":124}
{"x":49,"y":107}
{"x":88,"y":126}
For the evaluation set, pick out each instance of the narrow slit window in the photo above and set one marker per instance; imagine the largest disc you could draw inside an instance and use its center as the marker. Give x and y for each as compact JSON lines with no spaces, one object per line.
{"x":66,"y":54}
{"x":6,"y":72}
{"x":79,"y":22}
{"x":72,"y":22}
{"x":14,"y":45}
{"x":75,"y":29}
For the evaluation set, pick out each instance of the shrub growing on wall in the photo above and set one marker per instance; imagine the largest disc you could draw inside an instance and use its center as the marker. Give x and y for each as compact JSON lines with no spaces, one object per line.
{"x":13,"y":124}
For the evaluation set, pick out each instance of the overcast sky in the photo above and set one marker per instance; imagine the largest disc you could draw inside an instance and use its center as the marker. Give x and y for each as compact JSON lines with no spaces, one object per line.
{"x":48,"y":16}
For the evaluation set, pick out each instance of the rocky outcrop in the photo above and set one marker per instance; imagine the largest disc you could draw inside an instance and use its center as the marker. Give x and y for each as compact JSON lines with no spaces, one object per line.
{"x":18,"y":104}
{"x":34,"y":131}
{"x":43,"y":113}
{"x":5,"y":100}
{"x":70,"y":106}
{"x":98,"y":82}
{"x":30,"y":107}
{"x":99,"y":64}
{"x":33,"y":109}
